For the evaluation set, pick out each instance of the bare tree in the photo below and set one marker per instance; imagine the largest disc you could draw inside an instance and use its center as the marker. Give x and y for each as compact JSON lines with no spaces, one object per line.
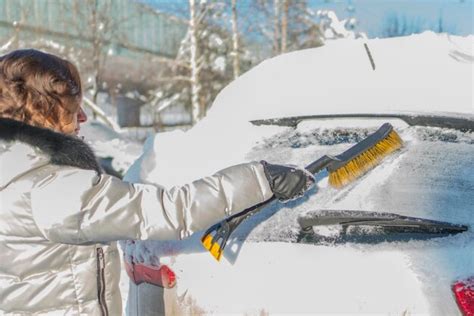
{"x":93,"y":22}
{"x":276,"y":27}
{"x":205,"y":61}
{"x":97,"y":45}
{"x":235,"y":40}
{"x":17,"y":26}
{"x":401,"y":25}
{"x":287,"y":25}
{"x":284,"y":25}
{"x":193,"y":60}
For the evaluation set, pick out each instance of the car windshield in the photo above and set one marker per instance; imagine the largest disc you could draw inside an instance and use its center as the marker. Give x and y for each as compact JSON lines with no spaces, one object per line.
{"x":431,"y":177}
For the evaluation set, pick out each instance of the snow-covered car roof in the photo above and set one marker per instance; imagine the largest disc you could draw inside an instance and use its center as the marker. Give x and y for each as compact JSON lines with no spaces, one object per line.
{"x":428,"y":73}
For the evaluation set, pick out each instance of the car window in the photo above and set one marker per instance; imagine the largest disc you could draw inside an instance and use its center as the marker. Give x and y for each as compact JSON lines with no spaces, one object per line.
{"x":431,"y":177}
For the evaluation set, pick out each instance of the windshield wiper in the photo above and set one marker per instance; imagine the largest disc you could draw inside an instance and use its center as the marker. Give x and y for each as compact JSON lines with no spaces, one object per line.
{"x":386,"y":226}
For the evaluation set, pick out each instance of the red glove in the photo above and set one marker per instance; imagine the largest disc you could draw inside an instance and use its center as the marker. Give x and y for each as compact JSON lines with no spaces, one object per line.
{"x":161,"y":276}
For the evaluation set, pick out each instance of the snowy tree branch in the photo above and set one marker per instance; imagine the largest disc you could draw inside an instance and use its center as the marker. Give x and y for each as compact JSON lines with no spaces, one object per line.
{"x":100,"y":113}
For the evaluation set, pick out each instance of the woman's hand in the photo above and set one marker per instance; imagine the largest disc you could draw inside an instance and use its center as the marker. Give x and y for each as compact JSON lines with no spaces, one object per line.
{"x":288,"y":182}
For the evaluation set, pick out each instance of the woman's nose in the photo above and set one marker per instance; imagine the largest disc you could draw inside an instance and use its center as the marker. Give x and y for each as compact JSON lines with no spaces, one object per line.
{"x":81,"y":116}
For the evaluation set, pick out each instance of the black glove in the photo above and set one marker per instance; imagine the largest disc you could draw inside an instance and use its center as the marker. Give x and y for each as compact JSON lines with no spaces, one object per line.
{"x":287,"y":182}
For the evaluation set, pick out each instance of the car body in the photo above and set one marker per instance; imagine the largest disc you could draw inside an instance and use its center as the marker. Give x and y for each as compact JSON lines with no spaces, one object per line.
{"x":298,"y":107}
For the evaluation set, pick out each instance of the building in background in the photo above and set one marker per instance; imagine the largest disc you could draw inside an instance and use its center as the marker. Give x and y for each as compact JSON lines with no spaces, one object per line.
{"x":121,"y":47}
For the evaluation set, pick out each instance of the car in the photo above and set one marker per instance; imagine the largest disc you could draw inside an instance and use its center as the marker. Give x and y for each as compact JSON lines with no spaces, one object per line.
{"x":314,"y":255}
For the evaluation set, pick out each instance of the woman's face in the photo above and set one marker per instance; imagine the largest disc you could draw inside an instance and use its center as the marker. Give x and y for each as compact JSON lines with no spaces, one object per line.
{"x":79,"y":118}
{"x":75,"y":126}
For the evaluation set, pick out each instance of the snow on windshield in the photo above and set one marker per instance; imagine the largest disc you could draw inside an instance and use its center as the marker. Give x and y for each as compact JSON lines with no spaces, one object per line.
{"x":431,"y":177}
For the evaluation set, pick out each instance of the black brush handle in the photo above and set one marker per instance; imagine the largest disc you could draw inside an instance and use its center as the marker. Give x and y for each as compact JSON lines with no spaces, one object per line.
{"x":232,"y":222}
{"x":314,"y":167}
{"x":320,"y":164}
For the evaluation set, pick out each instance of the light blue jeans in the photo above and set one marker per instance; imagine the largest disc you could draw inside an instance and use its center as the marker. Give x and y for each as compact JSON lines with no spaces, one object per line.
{"x":145,"y":299}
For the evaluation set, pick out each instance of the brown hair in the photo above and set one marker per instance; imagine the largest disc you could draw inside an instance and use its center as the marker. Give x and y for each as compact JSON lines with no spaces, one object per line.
{"x":39,"y":89}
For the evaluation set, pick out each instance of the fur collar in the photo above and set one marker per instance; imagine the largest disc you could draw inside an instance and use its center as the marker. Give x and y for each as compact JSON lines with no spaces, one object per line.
{"x":62,"y":149}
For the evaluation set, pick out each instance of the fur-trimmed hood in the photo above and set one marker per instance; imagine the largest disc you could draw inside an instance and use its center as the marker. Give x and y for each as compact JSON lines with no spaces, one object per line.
{"x":24,"y":147}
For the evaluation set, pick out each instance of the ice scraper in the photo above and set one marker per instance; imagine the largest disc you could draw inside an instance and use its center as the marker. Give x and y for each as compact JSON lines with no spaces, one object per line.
{"x":342,"y":169}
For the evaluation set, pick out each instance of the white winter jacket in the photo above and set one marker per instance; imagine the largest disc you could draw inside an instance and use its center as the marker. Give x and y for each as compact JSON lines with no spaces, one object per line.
{"x":60,"y":218}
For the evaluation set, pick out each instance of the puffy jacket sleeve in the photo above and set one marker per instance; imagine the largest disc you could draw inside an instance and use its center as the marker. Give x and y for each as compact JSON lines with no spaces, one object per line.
{"x":77,"y":206}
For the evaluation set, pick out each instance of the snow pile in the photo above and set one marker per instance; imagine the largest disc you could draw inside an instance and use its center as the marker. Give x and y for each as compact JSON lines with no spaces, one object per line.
{"x":424,"y":73}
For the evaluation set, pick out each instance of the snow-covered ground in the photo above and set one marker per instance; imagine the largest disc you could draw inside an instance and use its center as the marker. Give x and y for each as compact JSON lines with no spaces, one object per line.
{"x":108,"y":143}
{"x":431,"y":178}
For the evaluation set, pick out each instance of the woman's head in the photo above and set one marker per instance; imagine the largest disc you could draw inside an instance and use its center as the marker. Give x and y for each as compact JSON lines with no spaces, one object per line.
{"x":41,"y":89}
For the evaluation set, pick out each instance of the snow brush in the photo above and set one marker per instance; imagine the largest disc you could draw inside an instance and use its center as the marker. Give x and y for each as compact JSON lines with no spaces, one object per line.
{"x":343,"y":169}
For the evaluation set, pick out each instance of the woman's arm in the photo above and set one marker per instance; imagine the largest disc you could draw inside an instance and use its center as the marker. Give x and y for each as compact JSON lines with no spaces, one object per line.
{"x":77,"y":206}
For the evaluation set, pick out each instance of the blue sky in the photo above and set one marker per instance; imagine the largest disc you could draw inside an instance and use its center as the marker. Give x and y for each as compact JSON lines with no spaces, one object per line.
{"x":374,"y":16}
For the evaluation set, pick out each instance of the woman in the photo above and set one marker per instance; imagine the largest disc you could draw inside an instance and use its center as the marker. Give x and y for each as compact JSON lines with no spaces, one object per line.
{"x":60,"y":215}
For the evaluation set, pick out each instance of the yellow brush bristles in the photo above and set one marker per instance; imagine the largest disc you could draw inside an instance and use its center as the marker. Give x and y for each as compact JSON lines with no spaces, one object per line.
{"x":213,"y":247}
{"x":365,"y":161}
